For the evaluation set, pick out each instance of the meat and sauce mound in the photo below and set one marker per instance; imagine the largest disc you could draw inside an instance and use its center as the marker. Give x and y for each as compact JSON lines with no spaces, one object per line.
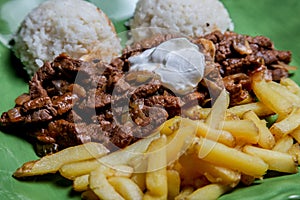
{"x":71,"y":102}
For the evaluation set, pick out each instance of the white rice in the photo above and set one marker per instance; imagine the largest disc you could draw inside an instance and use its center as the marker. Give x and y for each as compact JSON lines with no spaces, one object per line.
{"x":75,"y":27}
{"x":187,"y":17}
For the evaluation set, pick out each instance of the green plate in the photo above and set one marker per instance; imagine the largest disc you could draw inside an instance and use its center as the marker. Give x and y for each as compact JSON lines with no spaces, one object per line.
{"x":278,"y":20}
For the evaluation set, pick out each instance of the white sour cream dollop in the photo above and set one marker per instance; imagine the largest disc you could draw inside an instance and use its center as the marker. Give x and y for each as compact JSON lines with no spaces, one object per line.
{"x":178,"y":63}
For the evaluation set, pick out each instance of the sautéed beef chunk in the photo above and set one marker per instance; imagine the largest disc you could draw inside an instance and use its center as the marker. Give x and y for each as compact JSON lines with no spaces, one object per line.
{"x":71,"y":101}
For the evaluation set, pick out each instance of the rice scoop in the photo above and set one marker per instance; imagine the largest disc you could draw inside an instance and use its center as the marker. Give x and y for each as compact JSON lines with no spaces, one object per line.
{"x":192,"y":18}
{"x":75,"y":27}
{"x":178,"y":64}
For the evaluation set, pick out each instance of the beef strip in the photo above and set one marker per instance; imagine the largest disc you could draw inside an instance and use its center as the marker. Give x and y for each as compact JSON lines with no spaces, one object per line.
{"x":238,"y":53}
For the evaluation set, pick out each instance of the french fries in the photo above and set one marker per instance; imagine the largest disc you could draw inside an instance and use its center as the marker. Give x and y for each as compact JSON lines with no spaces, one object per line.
{"x":249,"y":133}
{"x":76,"y":169}
{"x":287,"y":125}
{"x":156,"y":176}
{"x":284,"y":144}
{"x":173,"y":182}
{"x":293,"y":98}
{"x":218,"y":112}
{"x":231,"y":158}
{"x":126,"y":187}
{"x":184,"y":193}
{"x":188,"y":159}
{"x":271,"y":98}
{"x":276,"y":160}
{"x":130,"y":152}
{"x":295,"y":152}
{"x":265,"y":137}
{"x":260,"y":109}
{"x":52,"y":163}
{"x":212,"y":172}
{"x":81,"y":183}
{"x":179,"y":141}
{"x":296,"y":134}
{"x":101,"y":187}
{"x":290,"y":85}
{"x":170,"y":126}
{"x":209,"y":192}
{"x":222,"y":136}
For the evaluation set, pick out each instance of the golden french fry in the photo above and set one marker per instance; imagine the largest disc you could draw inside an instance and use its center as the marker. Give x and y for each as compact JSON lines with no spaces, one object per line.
{"x":184,"y":193}
{"x":209,"y":192}
{"x":52,"y":163}
{"x":258,"y":108}
{"x":126,"y":187}
{"x":179,"y":142}
{"x":214,"y":173}
{"x":283,"y":144}
{"x":139,"y":164}
{"x":286,"y":125}
{"x":81,"y":183}
{"x":139,"y":168}
{"x":170,"y":126}
{"x":218,"y":111}
{"x":272,"y":99}
{"x":265,"y":138}
{"x":277,"y":161}
{"x":123,"y":156}
{"x":296,"y":134}
{"x":121,"y":170}
{"x":101,"y":187}
{"x":293,"y":98}
{"x":290,"y":85}
{"x":118,"y":170}
{"x":156,"y":176}
{"x":222,"y":136}
{"x":75,"y":169}
{"x":173,"y":178}
{"x":221,"y":155}
{"x":244,"y":130}
{"x":295,"y":152}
